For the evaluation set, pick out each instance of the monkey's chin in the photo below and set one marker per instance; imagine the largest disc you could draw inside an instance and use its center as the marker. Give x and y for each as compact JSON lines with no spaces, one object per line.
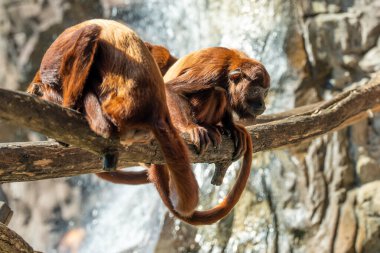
{"x":246,"y":115}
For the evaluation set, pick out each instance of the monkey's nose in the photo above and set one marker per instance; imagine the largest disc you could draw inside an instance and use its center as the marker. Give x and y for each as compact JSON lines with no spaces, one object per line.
{"x":258,"y":107}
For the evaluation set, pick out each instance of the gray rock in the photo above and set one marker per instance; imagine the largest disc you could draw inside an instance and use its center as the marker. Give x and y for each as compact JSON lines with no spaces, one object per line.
{"x":370,"y":63}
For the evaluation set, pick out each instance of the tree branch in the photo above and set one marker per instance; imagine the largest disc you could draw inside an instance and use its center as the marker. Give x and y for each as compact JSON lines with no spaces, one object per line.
{"x":41,"y":160}
{"x":11,"y":242}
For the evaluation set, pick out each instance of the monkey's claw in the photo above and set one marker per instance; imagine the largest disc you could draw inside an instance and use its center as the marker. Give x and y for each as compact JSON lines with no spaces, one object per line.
{"x":110,"y":161}
{"x":200,"y":139}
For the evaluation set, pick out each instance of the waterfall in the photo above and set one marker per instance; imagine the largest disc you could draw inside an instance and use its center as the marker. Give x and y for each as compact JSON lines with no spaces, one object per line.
{"x":133,"y":217}
{"x":130,"y":220}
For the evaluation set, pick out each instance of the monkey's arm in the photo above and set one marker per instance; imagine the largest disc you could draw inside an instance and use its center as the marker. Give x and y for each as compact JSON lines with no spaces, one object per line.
{"x":190,"y":81}
{"x":201,"y":135}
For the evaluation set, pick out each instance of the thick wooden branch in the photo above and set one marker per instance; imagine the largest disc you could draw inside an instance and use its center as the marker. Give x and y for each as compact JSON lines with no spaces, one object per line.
{"x":11,"y":242}
{"x":34,"y":161}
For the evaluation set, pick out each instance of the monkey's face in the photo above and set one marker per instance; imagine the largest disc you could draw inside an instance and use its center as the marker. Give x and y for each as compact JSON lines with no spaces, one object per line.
{"x":248,"y":87}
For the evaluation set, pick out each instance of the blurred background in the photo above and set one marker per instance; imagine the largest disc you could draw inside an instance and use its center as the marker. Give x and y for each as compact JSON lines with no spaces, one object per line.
{"x":319,"y":196}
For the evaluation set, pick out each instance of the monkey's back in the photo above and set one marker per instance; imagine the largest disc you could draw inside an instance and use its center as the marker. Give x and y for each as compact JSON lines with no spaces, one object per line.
{"x":127,"y":69}
{"x":122,"y":68}
{"x":202,"y":62}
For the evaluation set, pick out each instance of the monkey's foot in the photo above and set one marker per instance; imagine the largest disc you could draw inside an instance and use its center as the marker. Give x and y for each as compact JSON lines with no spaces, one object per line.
{"x":110,"y":161}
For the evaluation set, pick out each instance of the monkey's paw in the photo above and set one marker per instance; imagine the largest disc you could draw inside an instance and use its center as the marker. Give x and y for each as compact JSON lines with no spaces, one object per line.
{"x":202,"y":137}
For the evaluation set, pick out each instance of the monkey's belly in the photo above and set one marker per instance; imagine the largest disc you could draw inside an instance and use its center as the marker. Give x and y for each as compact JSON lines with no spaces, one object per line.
{"x":131,"y":136}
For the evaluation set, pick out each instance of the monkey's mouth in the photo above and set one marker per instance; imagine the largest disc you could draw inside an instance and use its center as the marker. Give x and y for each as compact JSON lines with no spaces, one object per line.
{"x":255,"y":112}
{"x":250,"y":109}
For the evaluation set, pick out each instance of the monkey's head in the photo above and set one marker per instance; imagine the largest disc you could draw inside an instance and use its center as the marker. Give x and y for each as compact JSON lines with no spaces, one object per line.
{"x":162,"y":57}
{"x":248,"y":86}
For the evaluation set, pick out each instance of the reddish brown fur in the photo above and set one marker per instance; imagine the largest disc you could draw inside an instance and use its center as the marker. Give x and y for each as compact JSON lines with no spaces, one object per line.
{"x":203,"y":89}
{"x":162,"y":57}
{"x":164,"y":60}
{"x":103,"y":69}
{"x":125,"y":177}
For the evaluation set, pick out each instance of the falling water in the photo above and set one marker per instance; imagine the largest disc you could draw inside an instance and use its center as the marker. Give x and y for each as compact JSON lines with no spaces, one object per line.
{"x":130,"y":220}
{"x":133,"y":217}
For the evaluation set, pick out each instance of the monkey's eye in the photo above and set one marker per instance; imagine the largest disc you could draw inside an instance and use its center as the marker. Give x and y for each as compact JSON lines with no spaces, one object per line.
{"x":235,"y":75}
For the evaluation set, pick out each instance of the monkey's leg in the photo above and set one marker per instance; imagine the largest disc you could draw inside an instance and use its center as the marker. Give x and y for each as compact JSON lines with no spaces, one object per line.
{"x":100,"y":125}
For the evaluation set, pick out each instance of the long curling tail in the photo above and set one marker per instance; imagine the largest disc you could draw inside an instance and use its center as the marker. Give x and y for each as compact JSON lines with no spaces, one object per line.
{"x":221,"y":210}
{"x":182,"y":190}
{"x":77,"y":61}
{"x":125,"y":177}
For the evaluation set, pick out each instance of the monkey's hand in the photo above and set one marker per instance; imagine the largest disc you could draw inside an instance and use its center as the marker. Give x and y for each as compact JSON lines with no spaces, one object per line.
{"x":202,"y":137}
{"x":238,"y":136}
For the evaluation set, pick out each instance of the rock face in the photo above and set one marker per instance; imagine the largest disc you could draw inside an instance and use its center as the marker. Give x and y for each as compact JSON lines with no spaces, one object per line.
{"x":318,"y":188}
{"x":320,"y":196}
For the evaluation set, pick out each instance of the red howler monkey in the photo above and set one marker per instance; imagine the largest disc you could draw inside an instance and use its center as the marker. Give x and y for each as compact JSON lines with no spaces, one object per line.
{"x":203,"y":89}
{"x":103,"y":69}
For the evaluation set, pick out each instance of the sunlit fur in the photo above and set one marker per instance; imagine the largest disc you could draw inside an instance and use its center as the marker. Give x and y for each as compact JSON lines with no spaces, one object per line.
{"x":103,"y":69}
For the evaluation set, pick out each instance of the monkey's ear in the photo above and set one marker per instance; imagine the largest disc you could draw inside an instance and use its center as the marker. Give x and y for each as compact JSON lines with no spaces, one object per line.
{"x":235,"y":75}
